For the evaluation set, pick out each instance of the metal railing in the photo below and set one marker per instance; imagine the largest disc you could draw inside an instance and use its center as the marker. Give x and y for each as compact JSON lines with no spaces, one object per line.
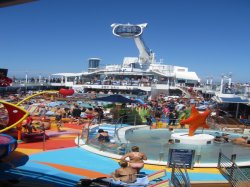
{"x":232,"y":172}
{"x":178,"y":177}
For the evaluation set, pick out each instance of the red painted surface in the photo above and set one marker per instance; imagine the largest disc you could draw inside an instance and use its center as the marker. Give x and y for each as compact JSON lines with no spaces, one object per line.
{"x":66,"y":92}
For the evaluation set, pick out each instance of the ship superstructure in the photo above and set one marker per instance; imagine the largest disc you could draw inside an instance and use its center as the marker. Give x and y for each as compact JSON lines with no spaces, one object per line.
{"x":142,"y":73}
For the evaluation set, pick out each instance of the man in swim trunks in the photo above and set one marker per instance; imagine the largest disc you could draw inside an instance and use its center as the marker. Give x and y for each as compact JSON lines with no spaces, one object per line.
{"x":136,"y":158}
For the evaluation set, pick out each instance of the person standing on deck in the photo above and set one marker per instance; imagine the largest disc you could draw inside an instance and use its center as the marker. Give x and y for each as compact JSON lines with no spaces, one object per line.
{"x":136,"y":158}
{"x":59,"y":115}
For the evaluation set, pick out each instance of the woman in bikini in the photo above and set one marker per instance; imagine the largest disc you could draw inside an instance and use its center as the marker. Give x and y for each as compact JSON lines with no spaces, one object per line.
{"x":136,"y":158}
{"x":125,"y":173}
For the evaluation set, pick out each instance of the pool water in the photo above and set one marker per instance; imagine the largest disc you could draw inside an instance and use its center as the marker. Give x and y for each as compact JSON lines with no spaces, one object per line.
{"x":155,"y":144}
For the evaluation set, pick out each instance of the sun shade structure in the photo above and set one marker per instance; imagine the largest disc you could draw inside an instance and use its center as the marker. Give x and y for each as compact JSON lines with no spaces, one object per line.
{"x":232,"y":100}
{"x":115,"y":99}
{"x":238,"y":100}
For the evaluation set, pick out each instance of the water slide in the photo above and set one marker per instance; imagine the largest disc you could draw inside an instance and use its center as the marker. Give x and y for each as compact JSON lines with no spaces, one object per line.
{"x":16,"y":115}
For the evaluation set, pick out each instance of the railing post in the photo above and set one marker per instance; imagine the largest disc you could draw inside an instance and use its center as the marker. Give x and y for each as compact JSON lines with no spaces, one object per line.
{"x":135,"y":121}
{"x":44,"y":139}
{"x":161,"y":156}
{"x":78,"y":140}
{"x":119,"y":119}
{"x":173,"y":173}
{"x":219,"y":160}
{"x":87,"y":137}
{"x":233,"y":158}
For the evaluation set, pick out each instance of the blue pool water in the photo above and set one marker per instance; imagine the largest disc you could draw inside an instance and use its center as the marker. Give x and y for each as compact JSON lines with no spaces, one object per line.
{"x":155,"y":144}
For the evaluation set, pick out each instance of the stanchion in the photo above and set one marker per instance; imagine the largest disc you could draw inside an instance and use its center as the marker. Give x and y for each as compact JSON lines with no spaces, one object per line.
{"x":19,"y":133}
{"x":44,"y":140}
{"x":78,"y":140}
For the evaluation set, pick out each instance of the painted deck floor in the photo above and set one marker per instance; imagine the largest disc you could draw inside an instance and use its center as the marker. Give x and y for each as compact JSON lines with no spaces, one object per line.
{"x":63,"y":164}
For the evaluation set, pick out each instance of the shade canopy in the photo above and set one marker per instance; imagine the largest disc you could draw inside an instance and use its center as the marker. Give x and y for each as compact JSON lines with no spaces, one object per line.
{"x":234,"y":100}
{"x":116,"y":98}
{"x":231,"y":100}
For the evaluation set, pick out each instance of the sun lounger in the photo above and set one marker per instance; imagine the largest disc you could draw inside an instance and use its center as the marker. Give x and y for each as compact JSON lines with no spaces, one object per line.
{"x":152,"y":180}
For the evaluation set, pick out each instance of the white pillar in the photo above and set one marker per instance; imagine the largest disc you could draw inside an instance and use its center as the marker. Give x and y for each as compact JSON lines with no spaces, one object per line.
{"x":211,"y":81}
{"x":26,"y":78}
{"x":221,"y":84}
{"x":237,"y":110}
{"x":229,"y":82}
{"x":40,"y":78}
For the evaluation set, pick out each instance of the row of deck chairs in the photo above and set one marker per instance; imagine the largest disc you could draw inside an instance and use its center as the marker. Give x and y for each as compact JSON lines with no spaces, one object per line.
{"x":157,"y":179}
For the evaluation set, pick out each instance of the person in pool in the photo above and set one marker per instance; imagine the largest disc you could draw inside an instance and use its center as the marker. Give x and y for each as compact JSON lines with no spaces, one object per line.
{"x":103,"y":136}
{"x":240,"y":141}
{"x":136,"y":158}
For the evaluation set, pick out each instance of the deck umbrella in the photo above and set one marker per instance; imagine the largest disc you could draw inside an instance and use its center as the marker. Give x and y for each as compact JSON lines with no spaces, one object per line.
{"x":116,"y":98}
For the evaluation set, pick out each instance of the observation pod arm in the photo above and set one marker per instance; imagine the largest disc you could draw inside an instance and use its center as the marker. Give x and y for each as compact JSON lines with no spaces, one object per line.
{"x":144,"y":55}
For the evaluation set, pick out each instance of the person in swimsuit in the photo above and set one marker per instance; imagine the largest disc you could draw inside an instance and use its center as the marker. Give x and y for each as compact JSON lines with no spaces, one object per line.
{"x":103,"y":136}
{"x":29,"y":126}
{"x":240,"y":141}
{"x":136,"y":158}
{"x":59,"y":114}
{"x":123,"y":176}
{"x":125,"y":173}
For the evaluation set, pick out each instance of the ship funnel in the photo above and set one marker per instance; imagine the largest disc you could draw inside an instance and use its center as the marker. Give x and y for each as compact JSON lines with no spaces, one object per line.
{"x":94,"y":64}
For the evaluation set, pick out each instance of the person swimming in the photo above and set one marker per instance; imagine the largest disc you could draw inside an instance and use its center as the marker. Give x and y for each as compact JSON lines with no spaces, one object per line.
{"x":103,"y":136}
{"x":241,"y":140}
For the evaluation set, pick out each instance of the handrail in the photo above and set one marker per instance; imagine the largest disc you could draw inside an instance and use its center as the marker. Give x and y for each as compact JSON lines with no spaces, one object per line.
{"x":116,"y":130}
{"x":231,"y":171}
{"x":178,"y":178}
{"x":87,"y":138}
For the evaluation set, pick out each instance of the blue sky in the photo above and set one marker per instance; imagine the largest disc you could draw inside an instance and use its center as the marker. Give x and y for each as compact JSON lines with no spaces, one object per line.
{"x":210,"y":37}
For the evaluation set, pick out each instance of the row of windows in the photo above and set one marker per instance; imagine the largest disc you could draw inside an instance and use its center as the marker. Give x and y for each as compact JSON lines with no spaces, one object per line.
{"x":121,"y":30}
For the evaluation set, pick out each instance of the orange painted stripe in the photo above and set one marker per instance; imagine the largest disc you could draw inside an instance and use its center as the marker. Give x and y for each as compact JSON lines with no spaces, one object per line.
{"x":75,"y":171}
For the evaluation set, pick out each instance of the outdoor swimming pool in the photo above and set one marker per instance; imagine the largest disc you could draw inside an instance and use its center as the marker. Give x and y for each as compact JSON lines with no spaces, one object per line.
{"x":155,"y":144}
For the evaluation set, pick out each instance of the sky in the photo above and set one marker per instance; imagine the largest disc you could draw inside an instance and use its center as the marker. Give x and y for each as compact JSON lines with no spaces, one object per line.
{"x":210,"y":37}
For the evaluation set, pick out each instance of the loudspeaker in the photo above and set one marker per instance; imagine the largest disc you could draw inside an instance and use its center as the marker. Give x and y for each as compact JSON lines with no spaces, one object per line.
{"x":4,"y":72}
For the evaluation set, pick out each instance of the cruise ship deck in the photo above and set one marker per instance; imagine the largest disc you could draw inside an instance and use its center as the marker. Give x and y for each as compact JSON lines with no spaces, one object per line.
{"x":61,"y":163}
